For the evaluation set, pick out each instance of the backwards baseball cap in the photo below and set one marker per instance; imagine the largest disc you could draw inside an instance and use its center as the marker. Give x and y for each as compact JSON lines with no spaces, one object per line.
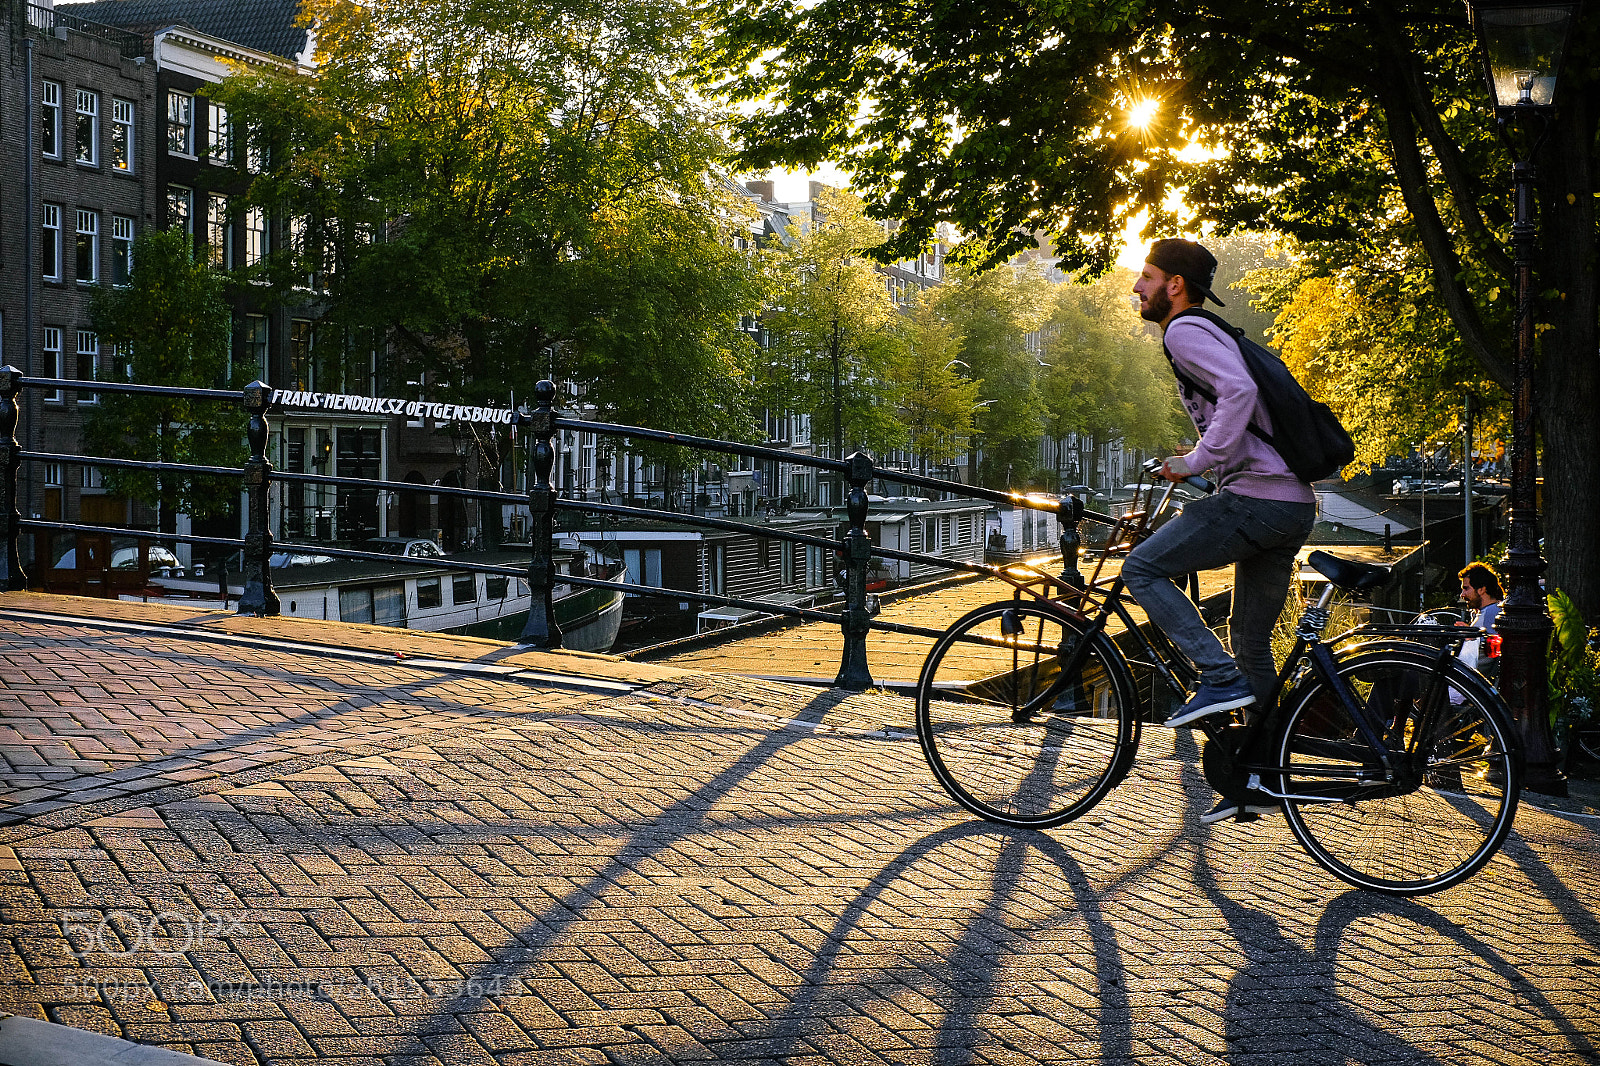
{"x":1198,"y":267}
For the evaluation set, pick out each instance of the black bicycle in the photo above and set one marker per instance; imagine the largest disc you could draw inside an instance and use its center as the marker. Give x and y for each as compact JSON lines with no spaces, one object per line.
{"x":1396,"y":765}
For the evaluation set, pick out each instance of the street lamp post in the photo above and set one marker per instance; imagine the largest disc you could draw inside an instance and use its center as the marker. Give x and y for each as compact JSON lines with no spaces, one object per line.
{"x":1522,"y":45}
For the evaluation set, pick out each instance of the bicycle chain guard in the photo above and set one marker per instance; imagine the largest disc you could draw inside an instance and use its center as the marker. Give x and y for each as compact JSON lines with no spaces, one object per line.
{"x":1219,"y":761}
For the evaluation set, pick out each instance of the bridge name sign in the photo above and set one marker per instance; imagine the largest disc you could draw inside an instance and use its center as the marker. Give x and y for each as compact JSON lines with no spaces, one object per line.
{"x":383,"y":405}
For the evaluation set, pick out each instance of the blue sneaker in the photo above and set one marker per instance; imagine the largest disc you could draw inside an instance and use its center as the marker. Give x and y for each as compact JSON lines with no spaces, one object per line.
{"x":1213,"y":699}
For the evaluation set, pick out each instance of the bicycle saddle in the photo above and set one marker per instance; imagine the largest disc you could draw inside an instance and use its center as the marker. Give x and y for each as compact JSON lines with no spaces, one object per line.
{"x":1347,"y":573}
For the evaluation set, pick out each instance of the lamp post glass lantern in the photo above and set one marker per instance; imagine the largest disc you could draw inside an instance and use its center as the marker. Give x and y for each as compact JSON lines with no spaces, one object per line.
{"x":1522,"y":46}
{"x":1522,"y":49}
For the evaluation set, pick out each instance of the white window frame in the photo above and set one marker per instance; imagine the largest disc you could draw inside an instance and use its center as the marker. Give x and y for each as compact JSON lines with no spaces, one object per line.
{"x":219,"y":234}
{"x":250,"y":349}
{"x":255,"y":153}
{"x":50,"y":118}
{"x":88,"y":349}
{"x":88,"y":108}
{"x":52,"y":359}
{"x":50,"y":240}
{"x":122,"y":247}
{"x":88,"y":227}
{"x":180,"y":120}
{"x":186,"y":197}
{"x":219,"y":134}
{"x":122,"y":122}
{"x":256,"y":243}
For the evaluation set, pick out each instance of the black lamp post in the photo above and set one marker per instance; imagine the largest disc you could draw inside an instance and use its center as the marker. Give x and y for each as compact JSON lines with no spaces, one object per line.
{"x":1522,"y":46}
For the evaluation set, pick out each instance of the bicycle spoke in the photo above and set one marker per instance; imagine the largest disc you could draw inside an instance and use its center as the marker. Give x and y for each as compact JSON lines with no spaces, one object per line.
{"x":1451,"y":796}
{"x":1009,"y":733}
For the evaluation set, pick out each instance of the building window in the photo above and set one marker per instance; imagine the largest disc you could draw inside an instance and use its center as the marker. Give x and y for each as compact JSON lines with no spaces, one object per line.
{"x":255,"y":342}
{"x":429,"y":593}
{"x":219,"y":236}
{"x":301,"y":342}
{"x":50,"y":242}
{"x":88,"y":127}
{"x":220,"y":148}
{"x":180,"y":123}
{"x":88,"y":363}
{"x":717,"y":569}
{"x":88,"y":246}
{"x":121,"y":249}
{"x":255,"y":236}
{"x":180,"y":209}
{"x":122,"y":135}
{"x":52,"y":359}
{"x":255,"y":152}
{"x":50,"y":121}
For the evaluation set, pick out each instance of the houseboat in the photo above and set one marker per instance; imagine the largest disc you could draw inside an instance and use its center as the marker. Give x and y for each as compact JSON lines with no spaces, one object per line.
{"x":438,"y":597}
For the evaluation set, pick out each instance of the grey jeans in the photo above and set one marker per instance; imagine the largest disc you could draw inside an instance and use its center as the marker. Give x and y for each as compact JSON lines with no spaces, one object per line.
{"x":1260,"y":538}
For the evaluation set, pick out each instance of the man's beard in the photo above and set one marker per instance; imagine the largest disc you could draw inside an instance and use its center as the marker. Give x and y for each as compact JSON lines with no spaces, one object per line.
{"x":1156,"y":306}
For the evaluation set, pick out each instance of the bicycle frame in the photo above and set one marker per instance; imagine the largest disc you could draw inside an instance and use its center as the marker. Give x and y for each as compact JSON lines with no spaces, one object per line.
{"x":1094,"y":603}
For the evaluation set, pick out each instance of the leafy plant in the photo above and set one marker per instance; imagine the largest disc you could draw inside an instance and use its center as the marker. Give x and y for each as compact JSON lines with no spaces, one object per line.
{"x":1574,"y":678}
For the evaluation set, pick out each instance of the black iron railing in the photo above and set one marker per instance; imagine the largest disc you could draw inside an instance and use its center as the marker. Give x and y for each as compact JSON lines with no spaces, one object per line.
{"x":47,"y":20}
{"x":855,"y":550}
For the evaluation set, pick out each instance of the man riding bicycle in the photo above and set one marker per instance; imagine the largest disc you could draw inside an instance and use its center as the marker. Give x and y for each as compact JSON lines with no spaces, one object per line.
{"x":1258,"y":519}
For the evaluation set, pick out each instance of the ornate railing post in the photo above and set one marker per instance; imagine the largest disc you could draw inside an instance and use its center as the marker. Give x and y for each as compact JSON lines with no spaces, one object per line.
{"x":856,"y":621}
{"x":542,"y":630}
{"x":11,"y":575}
{"x":1069,"y":512}
{"x":258,"y":599}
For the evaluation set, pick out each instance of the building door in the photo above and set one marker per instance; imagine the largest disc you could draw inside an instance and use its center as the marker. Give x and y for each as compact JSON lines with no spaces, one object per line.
{"x":358,"y":453}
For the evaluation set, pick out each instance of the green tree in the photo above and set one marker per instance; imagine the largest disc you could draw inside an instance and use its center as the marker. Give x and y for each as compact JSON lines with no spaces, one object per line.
{"x":513,"y":189}
{"x":169,"y":326}
{"x":1361,"y":126}
{"x":995,"y":310}
{"x":939,"y":401}
{"x":1107,"y":380}
{"x":1364,"y":339}
{"x":834,"y":333}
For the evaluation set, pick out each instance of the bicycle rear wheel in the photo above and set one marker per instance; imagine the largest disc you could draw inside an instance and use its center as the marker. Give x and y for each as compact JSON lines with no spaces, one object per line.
{"x":1011,"y":735}
{"x":1459,"y":773}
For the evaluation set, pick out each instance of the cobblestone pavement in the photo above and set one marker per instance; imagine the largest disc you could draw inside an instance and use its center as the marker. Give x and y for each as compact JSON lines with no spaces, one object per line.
{"x":811,"y":650}
{"x":263,"y":855}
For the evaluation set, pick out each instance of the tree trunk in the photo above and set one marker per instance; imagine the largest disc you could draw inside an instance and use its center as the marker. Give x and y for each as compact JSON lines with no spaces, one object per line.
{"x":1567,"y":384}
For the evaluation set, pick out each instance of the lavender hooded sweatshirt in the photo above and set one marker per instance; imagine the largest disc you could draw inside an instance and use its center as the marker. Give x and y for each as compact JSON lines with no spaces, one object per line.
{"x":1240,"y":462}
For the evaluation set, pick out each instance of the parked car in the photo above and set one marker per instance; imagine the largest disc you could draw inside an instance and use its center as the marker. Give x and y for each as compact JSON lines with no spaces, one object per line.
{"x":125,"y":556}
{"x":410,"y":547}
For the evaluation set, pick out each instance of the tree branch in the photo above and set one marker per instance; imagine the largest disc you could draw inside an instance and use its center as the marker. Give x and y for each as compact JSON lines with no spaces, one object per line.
{"x":1413,"y":176}
{"x":1445,"y":149}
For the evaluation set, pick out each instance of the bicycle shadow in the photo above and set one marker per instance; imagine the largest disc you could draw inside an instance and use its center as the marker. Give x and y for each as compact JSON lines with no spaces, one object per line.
{"x":1286,"y":999}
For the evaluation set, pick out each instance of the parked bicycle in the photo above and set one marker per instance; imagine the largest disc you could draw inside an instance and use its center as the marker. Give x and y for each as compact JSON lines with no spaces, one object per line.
{"x":1395,"y":765}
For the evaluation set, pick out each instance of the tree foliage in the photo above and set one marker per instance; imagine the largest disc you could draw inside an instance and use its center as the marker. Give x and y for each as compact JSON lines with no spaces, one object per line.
{"x":995,"y":311}
{"x":1358,"y":127}
{"x":939,"y":400}
{"x":1365,"y":340}
{"x":511,"y":189}
{"x":834,"y":333}
{"x":170,"y":325}
{"x":1107,"y":379}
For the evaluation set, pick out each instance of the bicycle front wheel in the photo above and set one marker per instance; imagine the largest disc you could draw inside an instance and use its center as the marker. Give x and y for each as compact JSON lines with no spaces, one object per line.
{"x":1457,"y":773}
{"x":1024,"y":719}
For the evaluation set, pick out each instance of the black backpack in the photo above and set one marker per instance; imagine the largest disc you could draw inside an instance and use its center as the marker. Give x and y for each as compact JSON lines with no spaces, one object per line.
{"x":1319,"y":447}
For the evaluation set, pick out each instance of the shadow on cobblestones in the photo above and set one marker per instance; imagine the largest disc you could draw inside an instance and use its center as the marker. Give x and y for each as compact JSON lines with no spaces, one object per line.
{"x":654,"y":836}
{"x":967,"y":984}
